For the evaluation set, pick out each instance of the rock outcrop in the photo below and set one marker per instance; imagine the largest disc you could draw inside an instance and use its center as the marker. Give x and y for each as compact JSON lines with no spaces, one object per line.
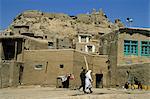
{"x":61,"y":25}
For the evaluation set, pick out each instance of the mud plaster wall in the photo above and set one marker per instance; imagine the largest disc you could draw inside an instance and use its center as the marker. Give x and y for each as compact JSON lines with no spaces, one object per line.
{"x":108,"y":46}
{"x":31,"y":44}
{"x":9,"y":74}
{"x":50,"y":61}
{"x":4,"y":76}
{"x":113,"y":62}
{"x":72,"y":60}
{"x":140,"y":71}
{"x":95,"y":62}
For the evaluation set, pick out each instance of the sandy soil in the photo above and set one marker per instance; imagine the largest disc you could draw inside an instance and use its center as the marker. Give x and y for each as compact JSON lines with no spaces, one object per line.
{"x":37,"y":92}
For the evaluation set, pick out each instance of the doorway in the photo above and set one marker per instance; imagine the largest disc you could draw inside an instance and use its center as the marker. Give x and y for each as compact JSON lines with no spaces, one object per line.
{"x":8,"y":48}
{"x":99,"y":80}
{"x":20,"y":73}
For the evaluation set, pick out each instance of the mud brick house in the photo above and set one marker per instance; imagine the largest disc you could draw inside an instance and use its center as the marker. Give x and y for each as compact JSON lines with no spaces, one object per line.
{"x":38,"y":47}
{"x":128,"y":51}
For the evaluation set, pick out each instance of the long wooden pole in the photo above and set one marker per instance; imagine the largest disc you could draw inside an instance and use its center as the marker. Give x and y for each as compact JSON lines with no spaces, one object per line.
{"x":86,"y":63}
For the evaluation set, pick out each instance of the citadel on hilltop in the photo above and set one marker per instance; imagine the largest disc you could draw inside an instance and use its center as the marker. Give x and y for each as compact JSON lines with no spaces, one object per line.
{"x":38,"y":47}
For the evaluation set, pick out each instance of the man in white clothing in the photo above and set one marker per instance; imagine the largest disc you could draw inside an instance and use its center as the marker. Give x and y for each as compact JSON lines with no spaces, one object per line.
{"x":88,"y":82}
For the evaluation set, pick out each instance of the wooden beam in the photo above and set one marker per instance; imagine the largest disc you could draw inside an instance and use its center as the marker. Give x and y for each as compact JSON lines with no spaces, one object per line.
{"x":86,"y":63}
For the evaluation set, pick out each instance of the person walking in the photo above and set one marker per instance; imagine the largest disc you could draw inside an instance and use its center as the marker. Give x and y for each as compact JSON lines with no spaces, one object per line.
{"x":82,"y":78}
{"x":88,"y":82}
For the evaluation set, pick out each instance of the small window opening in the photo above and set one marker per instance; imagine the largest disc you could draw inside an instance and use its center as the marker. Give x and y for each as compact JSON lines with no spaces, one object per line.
{"x":38,"y":67}
{"x":51,"y":18}
{"x":83,"y":38}
{"x":45,"y":37}
{"x":61,"y":65}
{"x":89,"y":48}
{"x":50,"y":44}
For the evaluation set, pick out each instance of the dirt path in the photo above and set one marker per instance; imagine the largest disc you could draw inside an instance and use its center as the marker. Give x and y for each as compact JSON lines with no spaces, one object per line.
{"x":37,"y":92}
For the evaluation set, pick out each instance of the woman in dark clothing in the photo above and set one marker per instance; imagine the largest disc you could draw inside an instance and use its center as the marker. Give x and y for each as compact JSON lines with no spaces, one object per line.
{"x":67,"y":82}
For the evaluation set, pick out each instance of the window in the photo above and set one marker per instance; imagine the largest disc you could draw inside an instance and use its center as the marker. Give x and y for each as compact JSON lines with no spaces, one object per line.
{"x":61,"y":65}
{"x":50,"y":44}
{"x":83,"y":38}
{"x":145,"y":48}
{"x":89,"y":48}
{"x":45,"y":37}
{"x":130,"y":47}
{"x":38,"y":67}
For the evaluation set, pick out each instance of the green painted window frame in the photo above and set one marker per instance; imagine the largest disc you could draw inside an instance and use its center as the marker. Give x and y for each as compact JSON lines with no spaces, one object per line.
{"x":145,"y":48}
{"x":130,"y":47}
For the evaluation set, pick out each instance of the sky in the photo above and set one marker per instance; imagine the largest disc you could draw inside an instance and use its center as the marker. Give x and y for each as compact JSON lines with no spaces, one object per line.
{"x":138,"y":10}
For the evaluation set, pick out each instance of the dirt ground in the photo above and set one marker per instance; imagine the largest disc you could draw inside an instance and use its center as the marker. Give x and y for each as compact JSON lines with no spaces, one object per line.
{"x":37,"y":92}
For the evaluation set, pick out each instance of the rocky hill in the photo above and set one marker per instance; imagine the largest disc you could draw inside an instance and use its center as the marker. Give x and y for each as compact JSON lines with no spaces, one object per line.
{"x":62,"y":25}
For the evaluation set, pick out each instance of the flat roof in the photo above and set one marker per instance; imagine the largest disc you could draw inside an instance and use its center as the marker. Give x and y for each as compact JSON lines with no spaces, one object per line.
{"x":135,"y":28}
{"x":13,"y":36}
{"x":144,"y":31}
